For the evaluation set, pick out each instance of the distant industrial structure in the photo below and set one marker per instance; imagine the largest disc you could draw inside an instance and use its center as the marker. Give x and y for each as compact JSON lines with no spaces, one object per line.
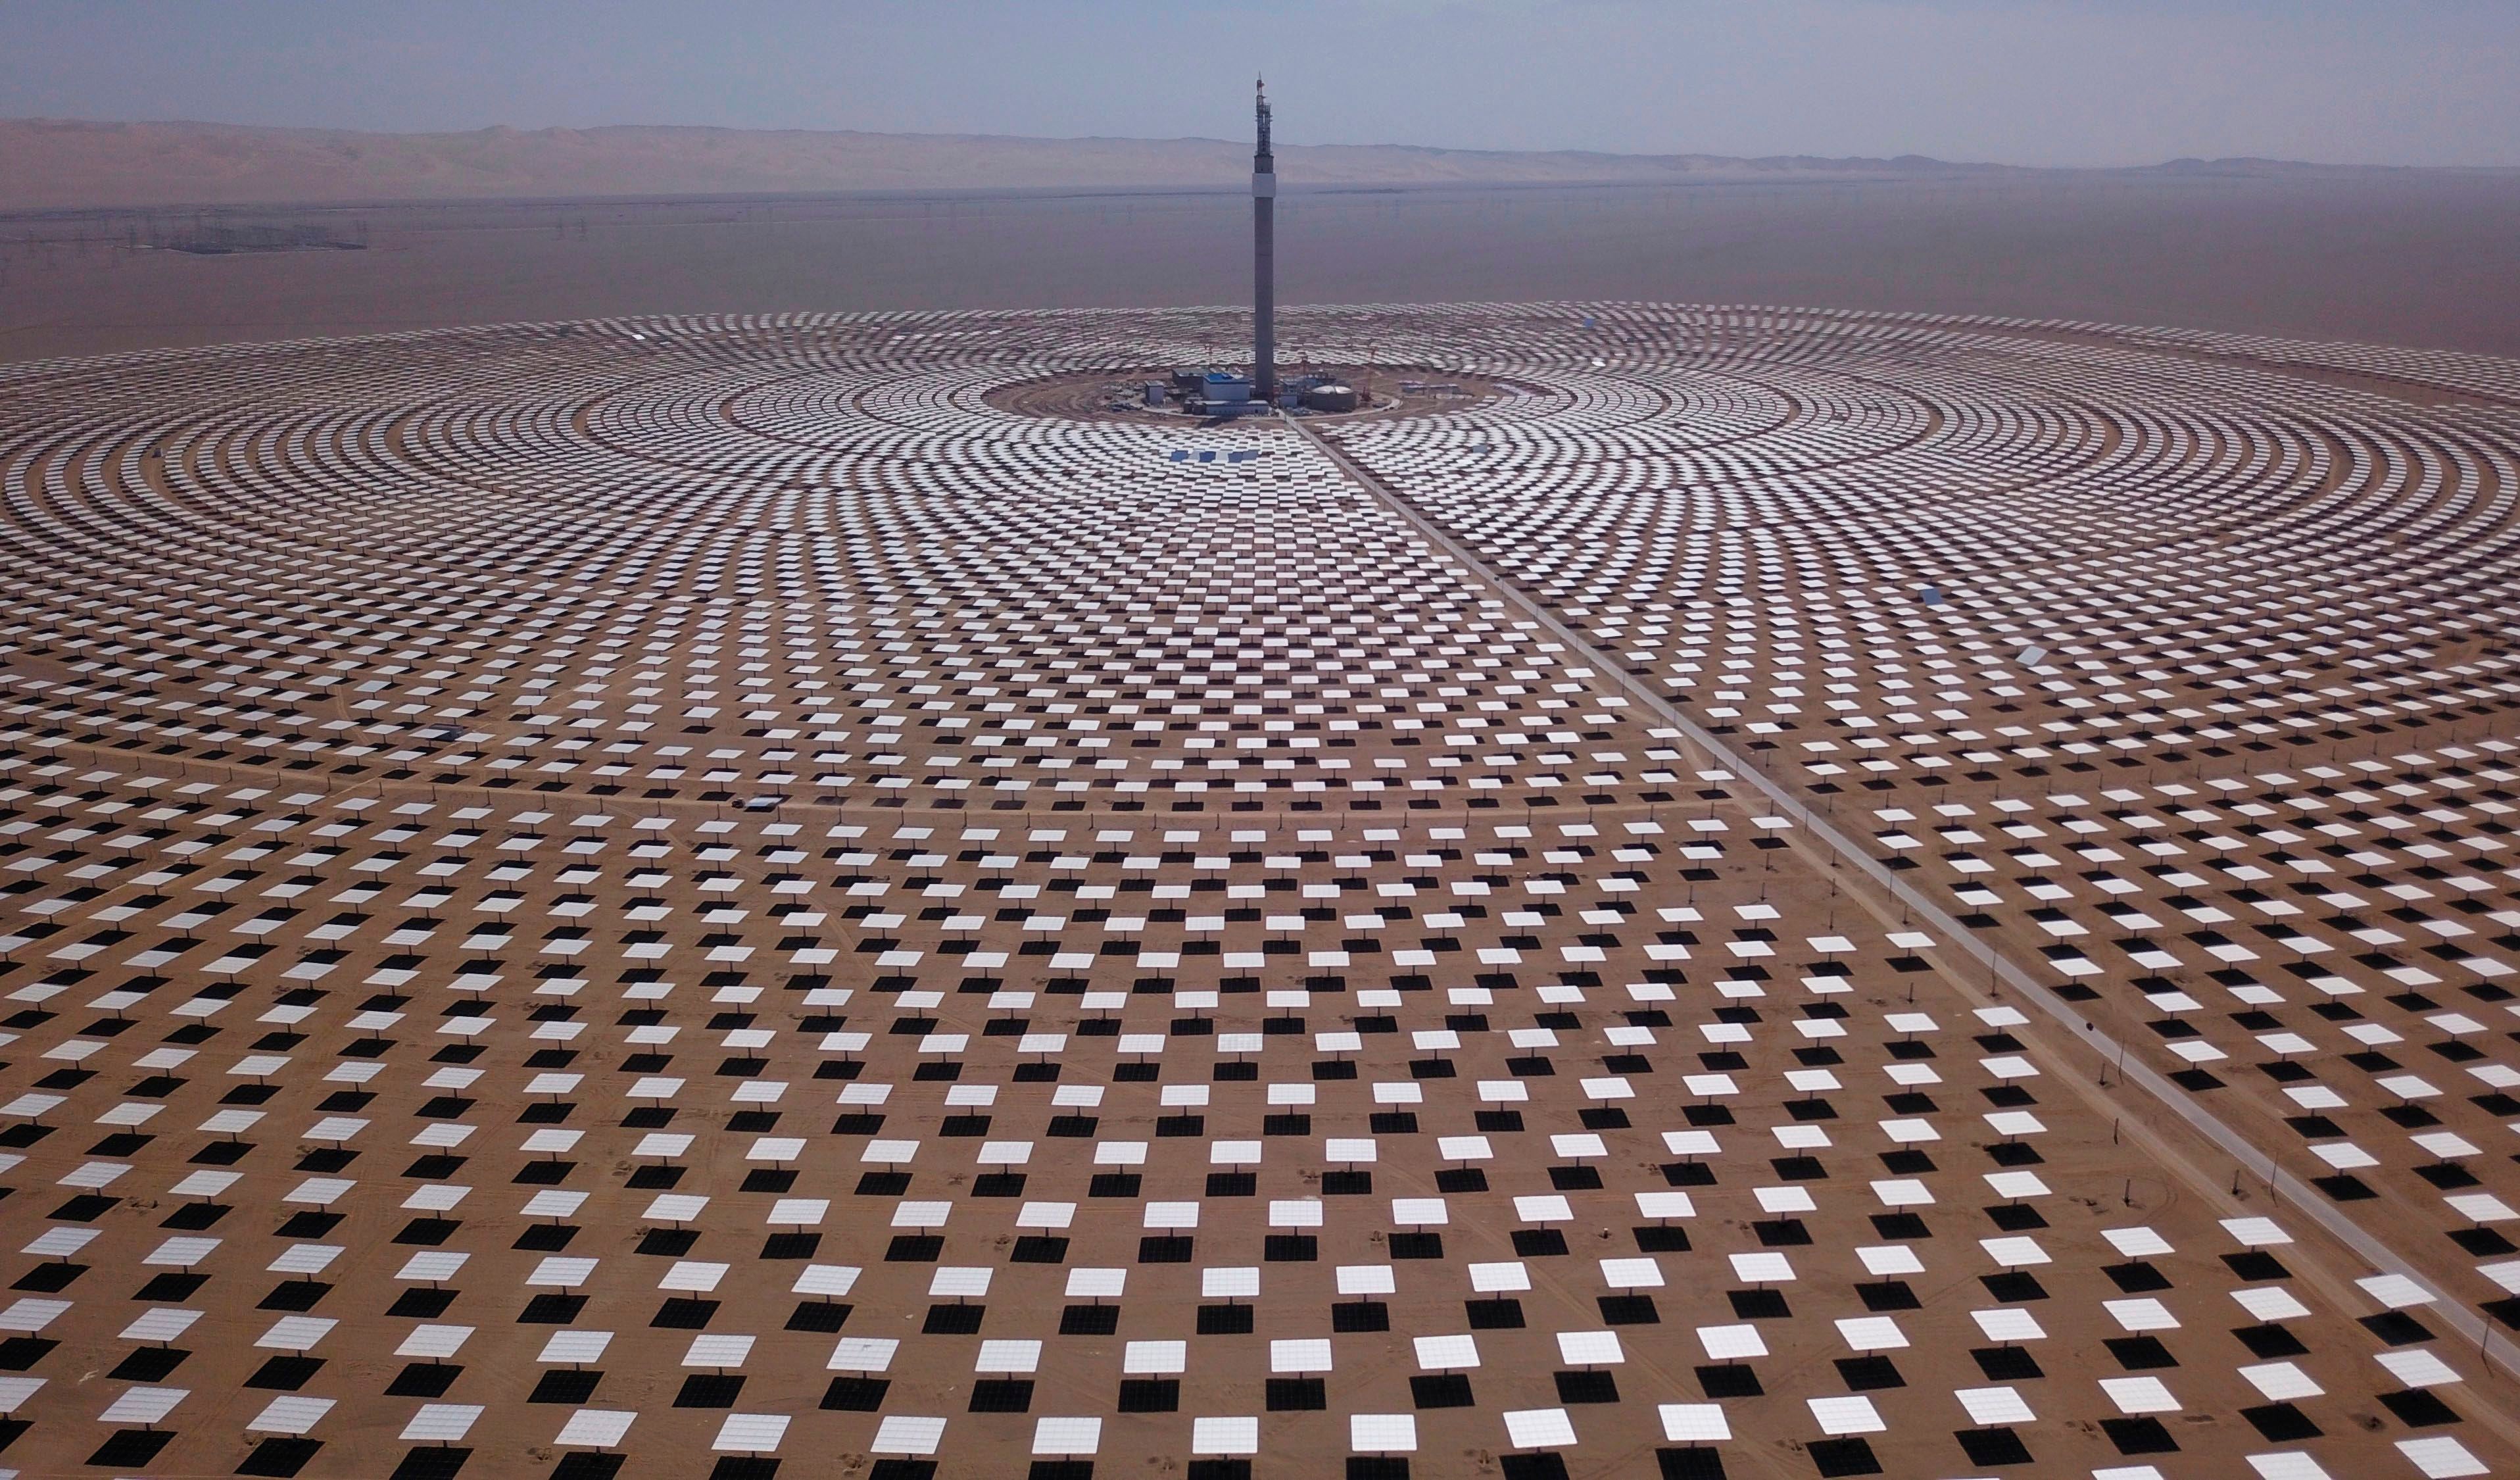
{"x":1264,"y":253}
{"x":1220,"y":392}
{"x":1206,"y":392}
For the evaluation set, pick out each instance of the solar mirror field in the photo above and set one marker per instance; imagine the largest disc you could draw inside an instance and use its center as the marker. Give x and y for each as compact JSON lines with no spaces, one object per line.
{"x":1708,"y":892}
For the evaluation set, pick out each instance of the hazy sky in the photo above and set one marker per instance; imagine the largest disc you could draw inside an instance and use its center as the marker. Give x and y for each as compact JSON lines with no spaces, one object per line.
{"x":2028,"y":81}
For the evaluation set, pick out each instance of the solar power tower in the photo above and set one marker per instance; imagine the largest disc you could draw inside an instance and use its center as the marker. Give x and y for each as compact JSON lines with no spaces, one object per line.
{"x":1264,"y":267}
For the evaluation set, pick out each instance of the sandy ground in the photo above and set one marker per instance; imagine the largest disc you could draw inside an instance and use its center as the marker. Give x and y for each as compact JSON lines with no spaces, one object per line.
{"x":57,"y":164}
{"x":2423,"y":260}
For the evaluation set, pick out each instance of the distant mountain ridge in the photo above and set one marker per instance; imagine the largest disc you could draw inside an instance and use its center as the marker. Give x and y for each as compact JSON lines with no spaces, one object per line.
{"x":58,"y":164}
